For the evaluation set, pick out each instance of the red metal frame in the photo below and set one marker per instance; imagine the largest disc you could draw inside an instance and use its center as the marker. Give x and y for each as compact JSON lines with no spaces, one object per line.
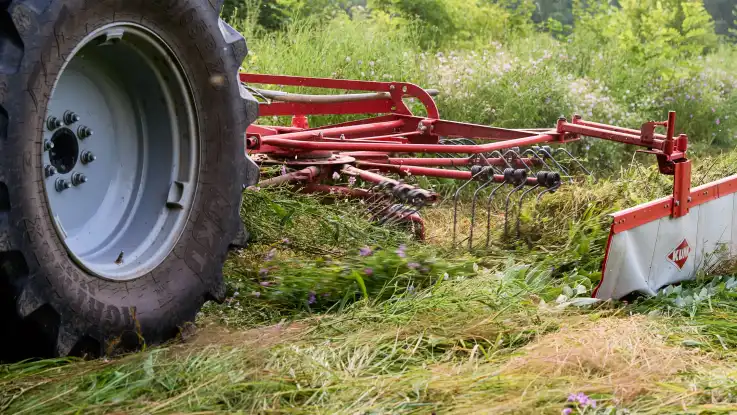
{"x":378,"y":143}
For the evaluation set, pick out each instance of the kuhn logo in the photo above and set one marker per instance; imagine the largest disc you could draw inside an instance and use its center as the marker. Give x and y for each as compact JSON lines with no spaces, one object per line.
{"x":679,"y":256}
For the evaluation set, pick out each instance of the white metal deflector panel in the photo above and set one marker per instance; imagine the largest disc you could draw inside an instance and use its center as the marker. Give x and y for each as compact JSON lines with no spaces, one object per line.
{"x":666,"y":251}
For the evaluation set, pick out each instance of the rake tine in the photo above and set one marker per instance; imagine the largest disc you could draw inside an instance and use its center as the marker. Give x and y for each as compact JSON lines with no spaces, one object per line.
{"x":488,"y":211}
{"x":510,"y":176}
{"x":504,"y":159}
{"x":390,"y":218}
{"x":473,"y":204}
{"x":518,"y":157}
{"x":546,"y":150}
{"x":553,"y":184}
{"x":455,"y":202}
{"x":580,"y":165}
{"x":402,"y":216}
{"x":519,"y":204}
{"x":536,"y":155}
{"x":520,"y":179}
{"x":550,"y":190}
{"x":417,"y":201}
{"x":384,"y":193}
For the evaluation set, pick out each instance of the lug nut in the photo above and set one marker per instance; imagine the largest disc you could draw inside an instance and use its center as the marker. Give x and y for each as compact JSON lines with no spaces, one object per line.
{"x":70,"y":117}
{"x":49,"y":171}
{"x":48,"y":145}
{"x":84,"y":132}
{"x":88,"y":157}
{"x":62,"y":185}
{"x":53,"y":123}
{"x":78,"y":179}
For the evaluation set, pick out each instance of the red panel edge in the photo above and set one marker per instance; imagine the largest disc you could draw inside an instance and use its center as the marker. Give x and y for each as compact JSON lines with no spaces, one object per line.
{"x":603,"y":263}
{"x":713,"y":190}
{"x":639,"y":215}
{"x":633,"y":217}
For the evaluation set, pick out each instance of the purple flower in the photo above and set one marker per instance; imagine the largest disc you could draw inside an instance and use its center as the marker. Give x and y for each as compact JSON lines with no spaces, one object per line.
{"x":368,"y":271}
{"x":256,"y":294}
{"x":582,"y":399}
{"x":270,"y":255}
{"x":413,"y":265}
{"x":283,"y":170}
{"x":365,"y":251}
{"x":400,"y":251}
{"x":411,"y":289}
{"x":285,"y":241}
{"x":566,"y":411}
{"x":336,"y":176}
{"x":263,"y":271}
{"x":311,"y":299}
{"x":718,"y":121}
{"x":265,"y":283}
{"x":351,"y":181}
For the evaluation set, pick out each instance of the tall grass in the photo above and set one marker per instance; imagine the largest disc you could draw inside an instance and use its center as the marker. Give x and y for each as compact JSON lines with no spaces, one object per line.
{"x":524,"y":78}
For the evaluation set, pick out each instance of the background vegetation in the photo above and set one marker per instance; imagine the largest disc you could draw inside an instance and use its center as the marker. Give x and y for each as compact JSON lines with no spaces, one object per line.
{"x":328,"y":313}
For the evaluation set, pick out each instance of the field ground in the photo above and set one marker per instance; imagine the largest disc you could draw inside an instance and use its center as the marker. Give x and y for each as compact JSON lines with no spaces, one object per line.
{"x":505,"y":334}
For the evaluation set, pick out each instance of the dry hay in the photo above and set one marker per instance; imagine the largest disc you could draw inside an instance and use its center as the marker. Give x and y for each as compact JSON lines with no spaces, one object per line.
{"x":627,"y":355}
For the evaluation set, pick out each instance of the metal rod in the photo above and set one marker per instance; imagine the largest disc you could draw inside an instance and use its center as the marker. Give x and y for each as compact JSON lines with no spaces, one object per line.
{"x":473,"y":209}
{"x":488,"y":212}
{"x":401,"y":148}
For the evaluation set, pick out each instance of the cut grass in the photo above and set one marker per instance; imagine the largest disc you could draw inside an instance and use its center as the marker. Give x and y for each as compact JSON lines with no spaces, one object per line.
{"x":485,"y":344}
{"x":493,"y":338}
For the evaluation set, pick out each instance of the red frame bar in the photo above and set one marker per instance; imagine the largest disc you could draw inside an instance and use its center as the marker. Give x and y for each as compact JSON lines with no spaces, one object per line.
{"x":407,"y":148}
{"x":398,"y":90}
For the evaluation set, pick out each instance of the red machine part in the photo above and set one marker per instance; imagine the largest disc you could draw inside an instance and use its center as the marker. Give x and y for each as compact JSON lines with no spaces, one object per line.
{"x":389,"y":141}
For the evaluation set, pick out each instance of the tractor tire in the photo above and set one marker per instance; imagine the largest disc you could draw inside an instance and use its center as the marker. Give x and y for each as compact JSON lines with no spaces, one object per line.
{"x":122,"y":167}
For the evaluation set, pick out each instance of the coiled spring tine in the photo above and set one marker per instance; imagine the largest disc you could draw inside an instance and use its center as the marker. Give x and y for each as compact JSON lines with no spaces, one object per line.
{"x":490,"y":172}
{"x":553,"y":183}
{"x":548,"y":152}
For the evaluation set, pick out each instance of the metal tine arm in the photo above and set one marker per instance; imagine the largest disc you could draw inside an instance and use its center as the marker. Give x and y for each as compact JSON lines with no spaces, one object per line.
{"x":520,"y":180}
{"x":578,"y":162}
{"x":515,"y":152}
{"x":519,"y":204}
{"x":538,"y":156}
{"x":417,"y":202}
{"x":549,"y":190}
{"x":547,"y":179}
{"x":488,"y":210}
{"x":490,"y":173}
{"x":455,"y":201}
{"x":499,"y":154}
{"x":547,"y":151}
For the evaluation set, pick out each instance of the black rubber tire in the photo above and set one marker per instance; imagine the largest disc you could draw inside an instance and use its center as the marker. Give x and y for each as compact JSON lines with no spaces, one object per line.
{"x":48,"y":305}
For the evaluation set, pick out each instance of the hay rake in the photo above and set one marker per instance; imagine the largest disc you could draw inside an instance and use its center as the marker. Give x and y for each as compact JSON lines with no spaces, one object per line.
{"x":650,"y":246}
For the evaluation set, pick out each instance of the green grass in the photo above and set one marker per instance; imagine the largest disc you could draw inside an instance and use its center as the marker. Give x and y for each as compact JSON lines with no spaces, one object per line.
{"x":328,"y":313}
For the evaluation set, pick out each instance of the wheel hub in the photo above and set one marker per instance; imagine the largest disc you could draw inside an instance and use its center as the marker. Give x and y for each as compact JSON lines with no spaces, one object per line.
{"x":121,"y":152}
{"x":65,"y":151}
